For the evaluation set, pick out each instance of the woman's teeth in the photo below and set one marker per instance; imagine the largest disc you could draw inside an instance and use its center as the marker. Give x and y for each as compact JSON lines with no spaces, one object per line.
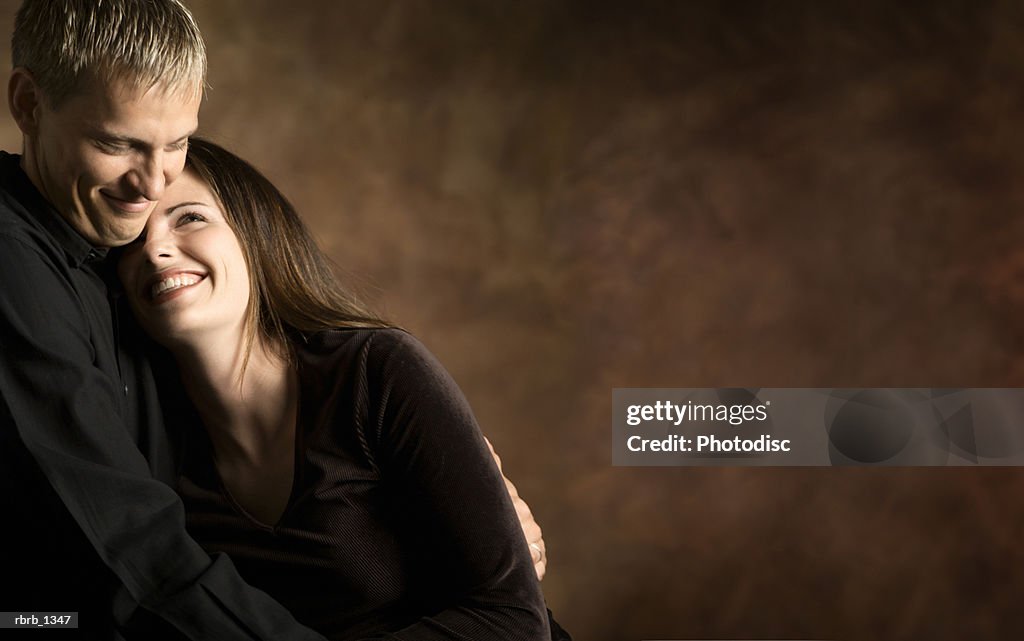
{"x":174,"y":282}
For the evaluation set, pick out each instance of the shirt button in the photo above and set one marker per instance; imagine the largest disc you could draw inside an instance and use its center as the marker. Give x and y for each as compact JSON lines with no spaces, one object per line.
{"x":126,"y":390}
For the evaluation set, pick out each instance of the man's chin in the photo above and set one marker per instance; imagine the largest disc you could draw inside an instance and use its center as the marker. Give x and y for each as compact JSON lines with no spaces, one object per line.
{"x":115,"y":236}
{"x":118,"y":228}
{"x":123,"y":238}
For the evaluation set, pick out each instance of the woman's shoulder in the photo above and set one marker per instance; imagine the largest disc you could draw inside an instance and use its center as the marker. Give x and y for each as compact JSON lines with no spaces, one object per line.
{"x":377,"y":353}
{"x":383,"y":381}
{"x":376,"y":342}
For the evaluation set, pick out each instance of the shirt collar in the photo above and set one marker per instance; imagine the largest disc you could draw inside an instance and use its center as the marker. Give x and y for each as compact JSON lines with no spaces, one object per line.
{"x":18,"y":184}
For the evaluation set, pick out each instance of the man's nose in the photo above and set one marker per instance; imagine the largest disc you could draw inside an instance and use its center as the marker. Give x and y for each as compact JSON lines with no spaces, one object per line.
{"x":149,"y":178}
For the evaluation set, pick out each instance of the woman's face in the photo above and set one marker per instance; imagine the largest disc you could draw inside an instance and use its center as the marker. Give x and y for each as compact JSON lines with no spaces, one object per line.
{"x":186,"y":276}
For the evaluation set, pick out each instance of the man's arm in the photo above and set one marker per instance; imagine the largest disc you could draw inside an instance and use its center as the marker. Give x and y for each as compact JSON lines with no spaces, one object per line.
{"x":65,"y":412}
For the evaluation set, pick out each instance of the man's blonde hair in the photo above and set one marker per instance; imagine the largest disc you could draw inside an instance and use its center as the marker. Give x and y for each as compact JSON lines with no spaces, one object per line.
{"x":66,"y":44}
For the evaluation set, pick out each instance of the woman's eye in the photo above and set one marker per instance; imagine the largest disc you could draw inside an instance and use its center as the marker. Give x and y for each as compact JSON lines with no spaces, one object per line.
{"x":190,"y":218}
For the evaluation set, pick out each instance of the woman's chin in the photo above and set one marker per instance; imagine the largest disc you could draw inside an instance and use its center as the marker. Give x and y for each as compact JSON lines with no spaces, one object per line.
{"x":171,"y":332}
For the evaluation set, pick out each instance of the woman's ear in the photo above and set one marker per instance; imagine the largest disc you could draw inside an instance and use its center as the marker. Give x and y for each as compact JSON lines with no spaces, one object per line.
{"x":24,"y":98}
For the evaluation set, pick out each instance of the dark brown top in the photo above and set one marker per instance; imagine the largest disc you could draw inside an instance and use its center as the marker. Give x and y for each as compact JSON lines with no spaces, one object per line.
{"x":398,"y":520}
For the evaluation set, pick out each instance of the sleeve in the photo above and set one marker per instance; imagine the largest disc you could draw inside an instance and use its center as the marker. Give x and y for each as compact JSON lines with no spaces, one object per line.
{"x":431,"y":450}
{"x":65,"y":412}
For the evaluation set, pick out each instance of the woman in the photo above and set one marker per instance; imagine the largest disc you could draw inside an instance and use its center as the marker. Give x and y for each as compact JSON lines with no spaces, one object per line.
{"x":339,"y":467}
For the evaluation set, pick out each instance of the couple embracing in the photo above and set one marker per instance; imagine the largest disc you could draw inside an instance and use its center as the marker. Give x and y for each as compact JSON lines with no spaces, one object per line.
{"x":204,"y":435}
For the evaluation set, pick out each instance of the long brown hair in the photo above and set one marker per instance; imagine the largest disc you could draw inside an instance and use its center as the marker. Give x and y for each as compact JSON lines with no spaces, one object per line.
{"x":292,"y":289}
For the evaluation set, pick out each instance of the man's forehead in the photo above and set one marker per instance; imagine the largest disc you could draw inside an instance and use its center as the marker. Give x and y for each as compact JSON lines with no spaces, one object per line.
{"x":118,"y":109}
{"x":96,"y":94}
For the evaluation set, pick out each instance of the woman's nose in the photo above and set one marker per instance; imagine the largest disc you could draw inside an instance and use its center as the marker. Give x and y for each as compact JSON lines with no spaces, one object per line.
{"x":158,"y":246}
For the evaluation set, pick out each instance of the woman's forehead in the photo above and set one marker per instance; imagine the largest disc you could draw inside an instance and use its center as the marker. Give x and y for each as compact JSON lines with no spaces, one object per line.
{"x":188,"y":187}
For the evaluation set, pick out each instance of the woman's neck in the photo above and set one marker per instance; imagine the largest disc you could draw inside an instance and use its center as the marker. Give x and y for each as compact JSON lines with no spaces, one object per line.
{"x":249,"y":415}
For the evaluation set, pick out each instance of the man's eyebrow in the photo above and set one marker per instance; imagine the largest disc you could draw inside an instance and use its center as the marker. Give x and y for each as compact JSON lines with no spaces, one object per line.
{"x":112,"y":137}
{"x":191,"y":203}
{"x":128,"y":140}
{"x":186,"y":136}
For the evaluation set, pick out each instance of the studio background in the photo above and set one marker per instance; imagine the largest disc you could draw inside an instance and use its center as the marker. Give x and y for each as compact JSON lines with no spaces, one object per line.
{"x":560,"y":198}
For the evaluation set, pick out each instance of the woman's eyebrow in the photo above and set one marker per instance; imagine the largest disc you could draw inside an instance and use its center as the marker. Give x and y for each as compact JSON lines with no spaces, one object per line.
{"x":190,"y":203}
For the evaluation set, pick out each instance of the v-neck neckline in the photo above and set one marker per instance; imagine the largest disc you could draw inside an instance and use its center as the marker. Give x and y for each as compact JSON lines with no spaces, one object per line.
{"x":298,"y":455}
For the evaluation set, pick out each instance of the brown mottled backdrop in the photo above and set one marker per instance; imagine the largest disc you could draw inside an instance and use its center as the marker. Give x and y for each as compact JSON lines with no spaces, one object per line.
{"x":564,"y":197}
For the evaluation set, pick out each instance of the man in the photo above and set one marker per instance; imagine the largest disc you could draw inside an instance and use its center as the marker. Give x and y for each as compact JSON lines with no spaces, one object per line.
{"x":106,"y":95}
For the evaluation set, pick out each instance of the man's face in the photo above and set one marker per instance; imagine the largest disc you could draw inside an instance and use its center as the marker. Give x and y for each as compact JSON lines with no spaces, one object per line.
{"x":104,"y":156}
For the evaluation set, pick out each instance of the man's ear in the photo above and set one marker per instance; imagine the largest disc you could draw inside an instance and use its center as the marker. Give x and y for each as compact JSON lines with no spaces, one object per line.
{"x":24,"y":98}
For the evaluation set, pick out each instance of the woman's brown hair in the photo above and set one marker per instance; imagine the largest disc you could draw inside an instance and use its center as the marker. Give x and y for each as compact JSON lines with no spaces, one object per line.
{"x":293,"y":290}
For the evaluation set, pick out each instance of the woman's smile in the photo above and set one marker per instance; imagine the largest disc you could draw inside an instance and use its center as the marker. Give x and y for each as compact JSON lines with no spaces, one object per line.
{"x":171,"y":283}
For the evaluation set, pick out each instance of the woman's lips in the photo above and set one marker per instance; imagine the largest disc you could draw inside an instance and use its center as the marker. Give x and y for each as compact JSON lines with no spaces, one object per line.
{"x":169,"y":286}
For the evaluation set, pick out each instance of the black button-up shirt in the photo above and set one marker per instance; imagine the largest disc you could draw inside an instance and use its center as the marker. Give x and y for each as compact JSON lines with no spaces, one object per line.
{"x":89,"y":522}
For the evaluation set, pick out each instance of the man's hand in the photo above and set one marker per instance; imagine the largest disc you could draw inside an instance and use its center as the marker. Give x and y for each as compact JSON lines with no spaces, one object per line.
{"x":531,"y":529}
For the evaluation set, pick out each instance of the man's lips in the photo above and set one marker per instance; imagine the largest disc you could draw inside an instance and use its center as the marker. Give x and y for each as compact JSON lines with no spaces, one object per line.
{"x":169,"y":283}
{"x":137,"y":206}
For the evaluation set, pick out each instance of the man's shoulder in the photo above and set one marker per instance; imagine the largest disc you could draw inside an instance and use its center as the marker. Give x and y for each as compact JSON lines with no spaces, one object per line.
{"x":27,"y":252}
{"x":18,"y":231}
{"x":13,"y":215}
{"x":19,"y":228}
